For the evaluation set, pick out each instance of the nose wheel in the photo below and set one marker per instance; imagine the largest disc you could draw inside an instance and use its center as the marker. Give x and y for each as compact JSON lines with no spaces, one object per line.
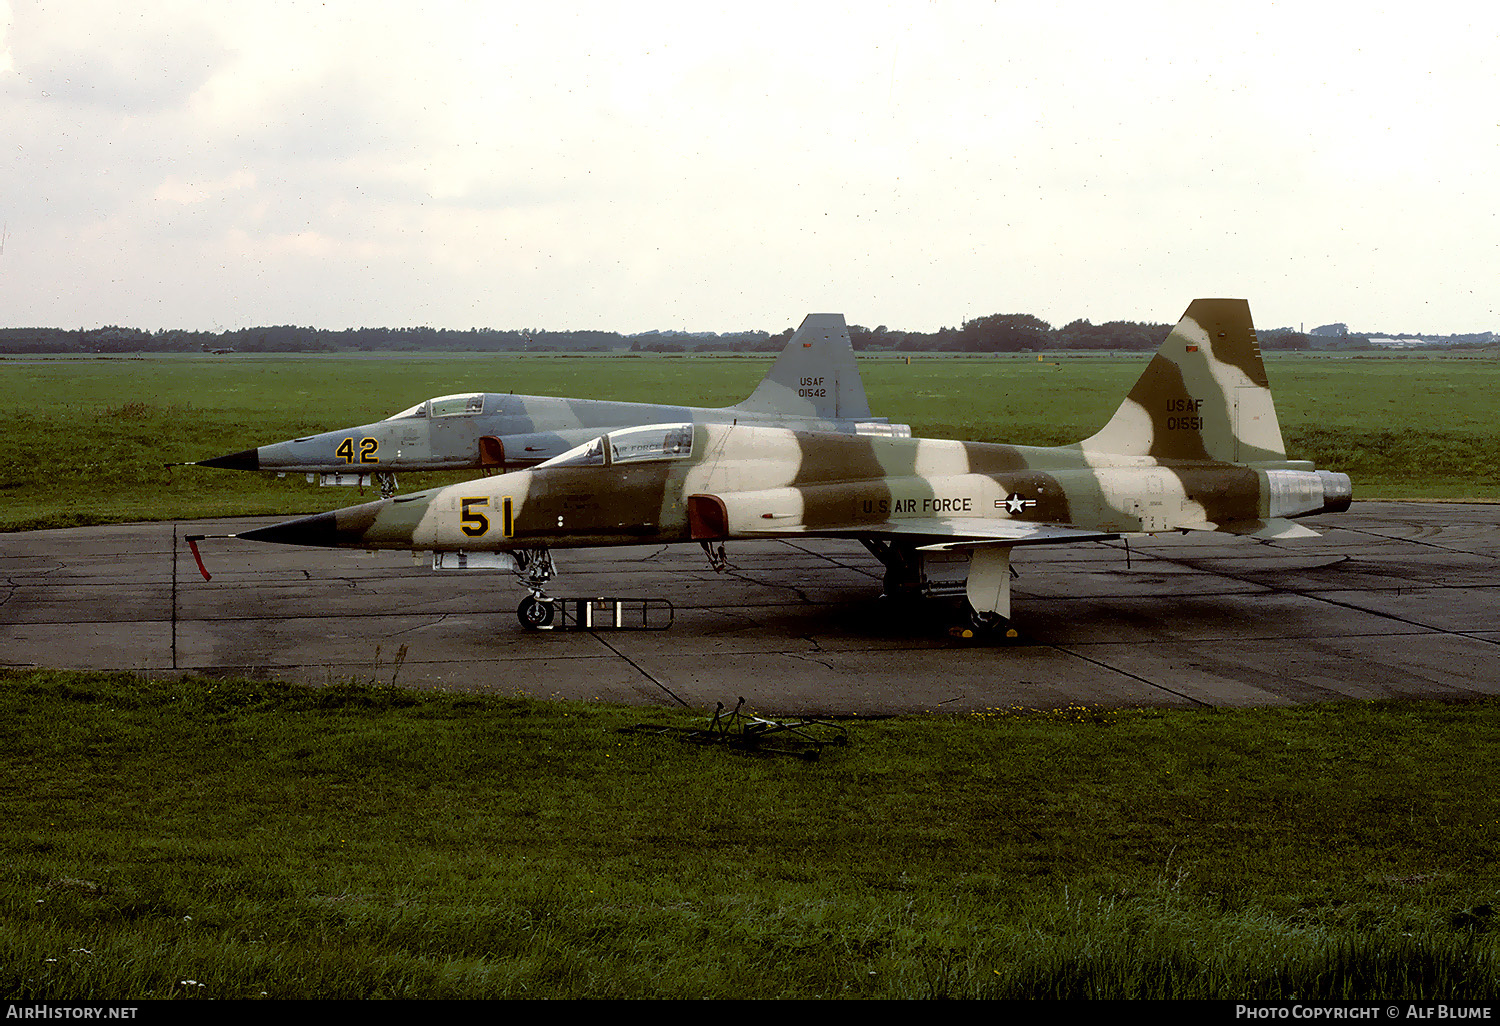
{"x":534,"y":614}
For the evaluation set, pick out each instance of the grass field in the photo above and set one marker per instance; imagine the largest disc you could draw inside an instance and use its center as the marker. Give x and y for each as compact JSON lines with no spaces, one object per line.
{"x":234,"y":839}
{"x":87,"y":439}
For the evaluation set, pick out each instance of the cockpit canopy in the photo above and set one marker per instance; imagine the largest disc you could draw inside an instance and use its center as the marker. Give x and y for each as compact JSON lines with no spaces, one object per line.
{"x":467,"y":405}
{"x":629,"y":445}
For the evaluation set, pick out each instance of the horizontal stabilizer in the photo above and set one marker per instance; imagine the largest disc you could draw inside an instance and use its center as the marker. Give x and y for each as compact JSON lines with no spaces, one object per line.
{"x":1273,"y":529}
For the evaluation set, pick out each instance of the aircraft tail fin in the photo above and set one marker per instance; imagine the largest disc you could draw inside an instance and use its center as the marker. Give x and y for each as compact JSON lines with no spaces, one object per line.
{"x":1204,"y":396}
{"x":815,"y":375}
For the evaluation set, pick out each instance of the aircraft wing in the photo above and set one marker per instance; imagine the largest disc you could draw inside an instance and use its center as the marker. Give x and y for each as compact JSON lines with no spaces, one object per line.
{"x":946,"y":533}
{"x":968,"y":533}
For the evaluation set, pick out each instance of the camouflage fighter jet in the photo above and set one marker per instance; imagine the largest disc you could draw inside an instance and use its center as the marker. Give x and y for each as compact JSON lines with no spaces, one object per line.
{"x":1195,"y":446}
{"x":813,"y":385}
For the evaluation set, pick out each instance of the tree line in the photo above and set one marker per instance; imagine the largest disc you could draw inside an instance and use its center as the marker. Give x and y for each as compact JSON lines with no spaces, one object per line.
{"x":996,"y":333}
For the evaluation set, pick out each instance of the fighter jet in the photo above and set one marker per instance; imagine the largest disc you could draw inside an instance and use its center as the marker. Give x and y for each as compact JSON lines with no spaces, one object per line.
{"x":813,"y":385}
{"x":1195,"y":446}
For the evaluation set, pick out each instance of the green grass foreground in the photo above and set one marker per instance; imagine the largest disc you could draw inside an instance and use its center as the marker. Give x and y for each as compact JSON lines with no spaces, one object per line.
{"x":235,"y":839}
{"x":87,"y":439}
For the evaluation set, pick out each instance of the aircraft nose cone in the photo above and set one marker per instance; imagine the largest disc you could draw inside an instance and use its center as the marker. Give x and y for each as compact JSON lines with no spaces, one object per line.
{"x":246,"y":460}
{"x":350,"y":527}
{"x":321,"y":529}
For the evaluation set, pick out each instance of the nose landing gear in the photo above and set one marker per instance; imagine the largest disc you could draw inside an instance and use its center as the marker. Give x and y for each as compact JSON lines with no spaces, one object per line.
{"x":535,"y":613}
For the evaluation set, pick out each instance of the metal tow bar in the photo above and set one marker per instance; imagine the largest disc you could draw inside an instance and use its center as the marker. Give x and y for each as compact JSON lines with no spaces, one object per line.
{"x":804,"y":738}
{"x":608,"y":614}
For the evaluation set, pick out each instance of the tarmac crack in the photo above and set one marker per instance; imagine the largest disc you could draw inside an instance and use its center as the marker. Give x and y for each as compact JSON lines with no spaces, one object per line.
{"x":863,"y":567}
{"x":1133,"y":676}
{"x":807,"y":658}
{"x":640,"y":669}
{"x":742,"y":575}
{"x":1307,"y":593}
{"x":1419,"y":541}
{"x":59,"y":565}
{"x":418,"y":626}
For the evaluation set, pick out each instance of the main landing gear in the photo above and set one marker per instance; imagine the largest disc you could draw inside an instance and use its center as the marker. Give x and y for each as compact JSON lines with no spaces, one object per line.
{"x":986,"y":586}
{"x":985,"y":626}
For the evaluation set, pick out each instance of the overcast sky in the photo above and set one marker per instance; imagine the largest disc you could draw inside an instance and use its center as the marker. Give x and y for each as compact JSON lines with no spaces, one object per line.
{"x":720,"y":167}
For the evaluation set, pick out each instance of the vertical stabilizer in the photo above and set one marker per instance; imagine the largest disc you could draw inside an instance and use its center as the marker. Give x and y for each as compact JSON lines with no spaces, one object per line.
{"x":815,"y":375}
{"x":1204,"y":396}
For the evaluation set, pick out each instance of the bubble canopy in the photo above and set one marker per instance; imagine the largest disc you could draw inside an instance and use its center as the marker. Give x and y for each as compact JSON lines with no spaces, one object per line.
{"x":629,"y":445}
{"x":467,"y":405}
